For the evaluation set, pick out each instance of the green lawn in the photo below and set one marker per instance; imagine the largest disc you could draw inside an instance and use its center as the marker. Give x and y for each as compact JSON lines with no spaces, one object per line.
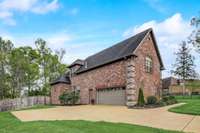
{"x":192,"y":105}
{"x":9,"y":124}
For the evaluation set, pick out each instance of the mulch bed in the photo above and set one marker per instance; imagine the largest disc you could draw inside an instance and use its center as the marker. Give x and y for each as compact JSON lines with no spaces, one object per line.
{"x":146,"y":107}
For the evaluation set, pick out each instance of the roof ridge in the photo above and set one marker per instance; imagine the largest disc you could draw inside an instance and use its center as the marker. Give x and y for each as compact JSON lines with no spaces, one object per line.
{"x":121,"y":42}
{"x":116,"y":52}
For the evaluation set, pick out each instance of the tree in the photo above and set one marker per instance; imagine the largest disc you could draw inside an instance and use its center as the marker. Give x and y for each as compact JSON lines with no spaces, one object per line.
{"x":141,"y":101}
{"x":184,"y":65}
{"x":25,"y":69}
{"x":195,"y":36}
{"x":62,"y":68}
{"x":50,"y":64}
{"x":5,"y":50}
{"x":31,"y":68}
{"x":44,"y":63}
{"x":18,"y":71}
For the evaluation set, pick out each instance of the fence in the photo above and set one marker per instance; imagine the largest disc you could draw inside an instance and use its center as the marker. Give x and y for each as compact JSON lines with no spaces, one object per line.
{"x":19,"y":103}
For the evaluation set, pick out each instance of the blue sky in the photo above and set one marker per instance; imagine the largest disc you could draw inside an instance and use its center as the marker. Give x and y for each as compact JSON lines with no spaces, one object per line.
{"x":84,"y":27}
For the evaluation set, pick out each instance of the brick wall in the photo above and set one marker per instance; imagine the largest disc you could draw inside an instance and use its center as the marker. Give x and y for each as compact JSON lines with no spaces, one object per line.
{"x":57,"y":90}
{"x":150,"y":82}
{"x":111,"y":75}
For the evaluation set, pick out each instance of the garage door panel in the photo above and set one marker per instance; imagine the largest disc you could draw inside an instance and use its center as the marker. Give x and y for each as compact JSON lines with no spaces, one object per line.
{"x":111,"y":96}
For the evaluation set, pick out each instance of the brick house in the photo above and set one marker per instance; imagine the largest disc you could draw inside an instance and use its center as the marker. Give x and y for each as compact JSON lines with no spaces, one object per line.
{"x":174,"y":86}
{"x":114,"y":75}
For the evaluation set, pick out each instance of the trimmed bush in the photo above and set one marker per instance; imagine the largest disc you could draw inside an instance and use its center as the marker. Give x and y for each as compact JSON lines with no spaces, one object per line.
{"x":151,"y":100}
{"x":69,"y":98}
{"x":141,"y":101}
{"x":171,"y":97}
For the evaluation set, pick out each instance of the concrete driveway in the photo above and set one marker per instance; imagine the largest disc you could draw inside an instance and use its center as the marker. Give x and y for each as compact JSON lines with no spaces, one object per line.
{"x":158,"y":118}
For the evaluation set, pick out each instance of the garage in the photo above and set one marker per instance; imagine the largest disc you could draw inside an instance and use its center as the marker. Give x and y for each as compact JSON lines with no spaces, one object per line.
{"x":111,"y":96}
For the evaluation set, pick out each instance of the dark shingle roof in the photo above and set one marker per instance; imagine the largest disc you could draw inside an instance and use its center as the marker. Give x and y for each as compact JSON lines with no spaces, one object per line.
{"x":77,"y":62}
{"x":167,"y":82}
{"x":62,"y":79}
{"x":116,"y":52}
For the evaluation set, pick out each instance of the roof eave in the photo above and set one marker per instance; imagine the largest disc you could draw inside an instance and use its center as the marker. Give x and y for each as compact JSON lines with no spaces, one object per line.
{"x":162,"y":68}
{"x":158,"y":52}
{"x":54,"y":83}
{"x":74,"y":65}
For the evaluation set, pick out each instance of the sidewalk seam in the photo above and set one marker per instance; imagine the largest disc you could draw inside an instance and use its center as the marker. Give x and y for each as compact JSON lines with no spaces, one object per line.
{"x":188,"y":123}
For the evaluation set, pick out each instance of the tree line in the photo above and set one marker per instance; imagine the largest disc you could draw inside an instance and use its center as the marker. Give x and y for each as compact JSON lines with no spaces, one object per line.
{"x":28,"y":71}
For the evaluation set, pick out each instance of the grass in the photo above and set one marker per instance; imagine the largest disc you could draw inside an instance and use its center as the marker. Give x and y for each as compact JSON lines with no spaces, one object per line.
{"x":10,"y":124}
{"x":191,"y":107}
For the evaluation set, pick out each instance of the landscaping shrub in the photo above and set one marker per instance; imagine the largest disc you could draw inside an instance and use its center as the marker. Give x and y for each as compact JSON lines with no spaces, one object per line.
{"x":168,"y":100}
{"x":151,"y":100}
{"x":162,"y":103}
{"x":69,"y":98}
{"x":171,"y":97}
{"x":141,"y":101}
{"x":165,"y":98}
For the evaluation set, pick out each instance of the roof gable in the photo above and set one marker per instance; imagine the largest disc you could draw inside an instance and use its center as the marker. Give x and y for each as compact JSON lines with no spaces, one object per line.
{"x":77,"y":62}
{"x":155,"y":46}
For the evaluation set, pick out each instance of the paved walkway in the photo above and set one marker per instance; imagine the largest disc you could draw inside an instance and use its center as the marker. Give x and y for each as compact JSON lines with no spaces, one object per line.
{"x":158,"y":117}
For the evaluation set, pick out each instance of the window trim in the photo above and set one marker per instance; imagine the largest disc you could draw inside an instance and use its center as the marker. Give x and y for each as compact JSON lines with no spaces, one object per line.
{"x":148,"y":64}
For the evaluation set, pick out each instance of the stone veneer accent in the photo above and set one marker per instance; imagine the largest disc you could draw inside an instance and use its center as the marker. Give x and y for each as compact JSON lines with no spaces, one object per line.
{"x":131,"y":90}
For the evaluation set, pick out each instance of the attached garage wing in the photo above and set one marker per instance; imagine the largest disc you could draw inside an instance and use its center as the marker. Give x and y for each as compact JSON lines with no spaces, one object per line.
{"x":111,"y":96}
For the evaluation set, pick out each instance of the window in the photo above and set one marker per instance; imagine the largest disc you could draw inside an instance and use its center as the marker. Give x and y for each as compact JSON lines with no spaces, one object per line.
{"x":148,"y":64}
{"x":76,"y":88}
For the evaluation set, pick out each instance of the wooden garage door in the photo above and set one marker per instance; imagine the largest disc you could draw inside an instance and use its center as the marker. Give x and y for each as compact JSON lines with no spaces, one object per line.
{"x":111,"y":96}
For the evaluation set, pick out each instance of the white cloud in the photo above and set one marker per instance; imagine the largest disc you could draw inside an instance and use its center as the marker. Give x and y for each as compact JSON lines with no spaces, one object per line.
{"x":169,"y":34}
{"x":46,"y":7}
{"x":22,"y":5}
{"x":9,"y":7}
{"x":7,"y":17}
{"x":5,"y":14}
{"x":58,"y":40}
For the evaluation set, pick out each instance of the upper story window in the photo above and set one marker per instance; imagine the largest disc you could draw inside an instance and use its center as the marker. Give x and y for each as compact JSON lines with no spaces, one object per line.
{"x":148,"y":64}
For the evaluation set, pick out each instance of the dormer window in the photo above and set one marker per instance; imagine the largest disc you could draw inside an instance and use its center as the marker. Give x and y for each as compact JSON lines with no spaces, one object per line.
{"x":148,"y":64}
{"x":75,"y":66}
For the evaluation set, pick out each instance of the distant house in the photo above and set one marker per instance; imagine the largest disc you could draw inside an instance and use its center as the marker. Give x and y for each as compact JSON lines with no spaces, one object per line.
{"x":114,"y":75}
{"x":168,"y":84}
{"x":173,"y":85}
